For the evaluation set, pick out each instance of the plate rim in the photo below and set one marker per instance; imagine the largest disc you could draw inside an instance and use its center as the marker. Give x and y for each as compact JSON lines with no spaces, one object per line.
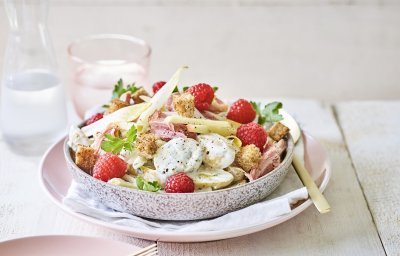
{"x":173,"y":236}
{"x":23,"y":237}
{"x":68,"y":236}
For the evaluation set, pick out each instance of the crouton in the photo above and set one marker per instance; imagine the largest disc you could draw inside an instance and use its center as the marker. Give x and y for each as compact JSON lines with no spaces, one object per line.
{"x":278,"y":131}
{"x":115,"y":105}
{"x":136,"y":95}
{"x":248,"y":157}
{"x":184,"y":104}
{"x":85,"y":158}
{"x":146,"y":145}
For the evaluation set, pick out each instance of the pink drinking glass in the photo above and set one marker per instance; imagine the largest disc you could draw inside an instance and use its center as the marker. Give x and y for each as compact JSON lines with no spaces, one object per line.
{"x":99,"y":61}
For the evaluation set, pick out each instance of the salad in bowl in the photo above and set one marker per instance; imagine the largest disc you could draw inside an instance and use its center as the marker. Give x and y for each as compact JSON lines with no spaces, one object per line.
{"x":180,"y":154}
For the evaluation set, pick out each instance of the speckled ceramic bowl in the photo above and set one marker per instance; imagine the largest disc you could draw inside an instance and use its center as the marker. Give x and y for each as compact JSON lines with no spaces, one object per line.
{"x":185,"y":206}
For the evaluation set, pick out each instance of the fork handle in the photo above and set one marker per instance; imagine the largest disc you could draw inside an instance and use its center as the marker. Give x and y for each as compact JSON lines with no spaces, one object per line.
{"x":316,"y":196}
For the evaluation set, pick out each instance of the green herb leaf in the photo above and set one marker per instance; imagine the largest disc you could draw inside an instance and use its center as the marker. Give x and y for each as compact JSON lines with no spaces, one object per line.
{"x":257,"y":107}
{"x":120,"y":89}
{"x":132,"y":88}
{"x":112,"y":144}
{"x":215,"y":88}
{"x":270,"y":112}
{"x":147,"y":186}
{"x":131,"y":133}
{"x":175,"y":89}
{"x":140,"y":182}
{"x":185,"y":88}
{"x":151,"y":186}
{"x":115,"y":144}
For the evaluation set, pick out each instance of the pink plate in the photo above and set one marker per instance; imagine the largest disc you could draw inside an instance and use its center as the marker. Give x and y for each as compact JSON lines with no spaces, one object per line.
{"x":56,"y":179}
{"x":65,"y":246}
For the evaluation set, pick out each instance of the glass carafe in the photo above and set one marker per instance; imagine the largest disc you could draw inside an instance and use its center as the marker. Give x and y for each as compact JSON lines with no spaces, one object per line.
{"x":33,"y":110}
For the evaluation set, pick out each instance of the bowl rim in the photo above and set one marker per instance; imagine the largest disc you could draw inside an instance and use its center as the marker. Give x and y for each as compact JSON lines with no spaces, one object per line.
{"x":288,"y":157}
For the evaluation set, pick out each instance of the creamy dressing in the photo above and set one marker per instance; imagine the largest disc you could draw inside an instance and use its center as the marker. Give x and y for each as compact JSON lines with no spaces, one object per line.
{"x":218,"y":151}
{"x":178,"y":155}
{"x":133,"y":158}
{"x":77,"y":137}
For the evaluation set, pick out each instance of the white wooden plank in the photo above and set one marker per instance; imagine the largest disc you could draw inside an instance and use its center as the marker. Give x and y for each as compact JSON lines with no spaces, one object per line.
{"x":25,"y":210}
{"x":372,"y":133}
{"x":347,"y":230}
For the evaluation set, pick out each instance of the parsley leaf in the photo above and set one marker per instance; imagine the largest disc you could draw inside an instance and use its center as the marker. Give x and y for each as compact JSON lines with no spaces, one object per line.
{"x":257,"y":107}
{"x":140,"y":182}
{"x":147,"y":186}
{"x":215,"y":88}
{"x":112,"y":144}
{"x":270,"y":112}
{"x":185,"y":88}
{"x":130,"y":138}
{"x":116,"y":144}
{"x":120,"y":89}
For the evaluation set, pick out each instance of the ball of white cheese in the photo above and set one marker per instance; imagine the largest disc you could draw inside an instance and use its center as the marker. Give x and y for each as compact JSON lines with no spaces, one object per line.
{"x":218,"y":151}
{"x":178,"y":155}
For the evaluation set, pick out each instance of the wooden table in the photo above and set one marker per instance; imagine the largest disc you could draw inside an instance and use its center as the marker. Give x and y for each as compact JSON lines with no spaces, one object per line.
{"x":362,"y":139}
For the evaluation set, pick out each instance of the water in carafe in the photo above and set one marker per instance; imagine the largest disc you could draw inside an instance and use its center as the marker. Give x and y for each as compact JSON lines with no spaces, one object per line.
{"x":33,"y":113}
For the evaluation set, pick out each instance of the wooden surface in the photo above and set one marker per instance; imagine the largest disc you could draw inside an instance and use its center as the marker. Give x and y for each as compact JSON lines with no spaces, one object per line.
{"x":348,"y":230}
{"x":301,"y":50}
{"x":261,"y":48}
{"x":25,"y":210}
{"x":372,"y":134}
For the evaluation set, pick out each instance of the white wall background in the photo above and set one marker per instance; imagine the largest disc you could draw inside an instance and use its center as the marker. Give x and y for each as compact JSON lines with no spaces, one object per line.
{"x":330,"y":49}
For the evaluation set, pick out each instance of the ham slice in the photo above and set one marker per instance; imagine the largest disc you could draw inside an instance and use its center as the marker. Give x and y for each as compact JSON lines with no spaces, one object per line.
{"x":169,"y":105}
{"x":218,"y":106}
{"x":111,"y":129}
{"x":168,"y":131}
{"x":271,"y":158}
{"x":211,"y":115}
{"x":182,"y":128}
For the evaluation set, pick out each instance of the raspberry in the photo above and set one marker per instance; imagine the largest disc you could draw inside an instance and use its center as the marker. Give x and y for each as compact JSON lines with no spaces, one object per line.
{"x":242,"y":112}
{"x":109,"y":166}
{"x":179,"y":183}
{"x":252,"y":133}
{"x":94,"y":118}
{"x":203,"y":95}
{"x":157,"y":86}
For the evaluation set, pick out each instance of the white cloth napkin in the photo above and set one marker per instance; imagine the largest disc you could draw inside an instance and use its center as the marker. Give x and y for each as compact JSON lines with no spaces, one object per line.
{"x":83,"y":202}
{"x":277,"y":204}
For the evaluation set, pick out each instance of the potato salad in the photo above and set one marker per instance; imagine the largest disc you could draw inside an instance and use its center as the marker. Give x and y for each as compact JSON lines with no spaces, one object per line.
{"x":179,"y":139}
